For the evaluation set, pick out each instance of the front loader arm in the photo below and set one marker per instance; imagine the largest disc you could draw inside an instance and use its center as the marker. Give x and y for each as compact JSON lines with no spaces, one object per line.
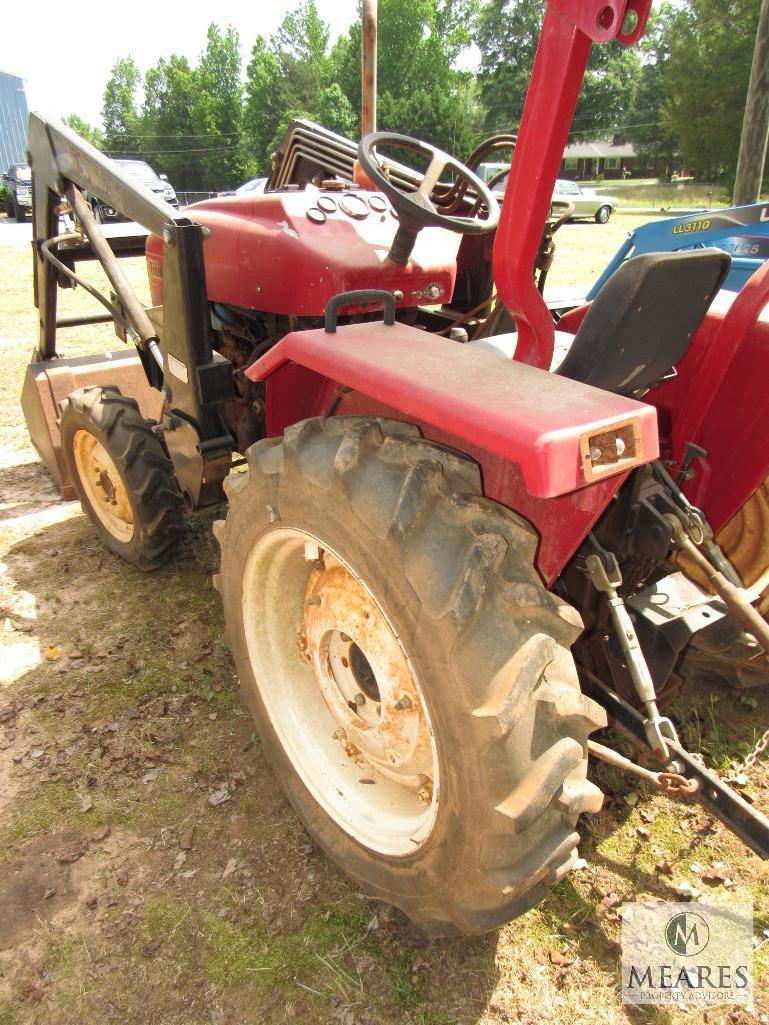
{"x":195,"y":379}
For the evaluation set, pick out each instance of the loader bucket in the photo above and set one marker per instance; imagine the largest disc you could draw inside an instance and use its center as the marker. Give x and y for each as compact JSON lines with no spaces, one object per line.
{"x":48,"y":383}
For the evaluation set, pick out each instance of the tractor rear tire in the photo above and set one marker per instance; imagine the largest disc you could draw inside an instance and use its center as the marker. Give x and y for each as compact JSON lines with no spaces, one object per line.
{"x":409,"y":674}
{"x":122,"y":476}
{"x":745,"y":541}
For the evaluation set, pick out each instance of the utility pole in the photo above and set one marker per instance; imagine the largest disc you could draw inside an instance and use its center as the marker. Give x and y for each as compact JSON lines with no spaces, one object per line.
{"x":755,"y":123}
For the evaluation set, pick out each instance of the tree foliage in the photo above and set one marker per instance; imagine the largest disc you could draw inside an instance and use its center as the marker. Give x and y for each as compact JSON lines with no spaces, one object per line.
{"x":168,"y":129}
{"x":706,"y":81}
{"x":121,"y":120}
{"x":217,"y":110}
{"x":420,"y":92}
{"x":678,"y":95}
{"x":91,"y":133}
{"x":290,"y":74}
{"x":507,"y":33}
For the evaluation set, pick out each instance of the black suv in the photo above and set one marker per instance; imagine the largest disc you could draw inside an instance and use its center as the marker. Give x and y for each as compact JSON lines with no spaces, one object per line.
{"x":17,"y":191}
{"x":142,"y":172}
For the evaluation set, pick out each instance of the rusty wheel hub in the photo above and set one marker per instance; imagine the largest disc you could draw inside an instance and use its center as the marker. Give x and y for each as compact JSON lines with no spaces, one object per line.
{"x":103,"y":485}
{"x":340,"y":692}
{"x":365,"y":678}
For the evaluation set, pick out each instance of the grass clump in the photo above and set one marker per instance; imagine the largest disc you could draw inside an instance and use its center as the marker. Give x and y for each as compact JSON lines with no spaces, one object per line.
{"x":52,"y":806}
{"x":9,"y":1014}
{"x":311,"y":957}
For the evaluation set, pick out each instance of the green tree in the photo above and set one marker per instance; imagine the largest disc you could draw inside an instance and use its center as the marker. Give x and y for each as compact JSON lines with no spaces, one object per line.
{"x":300,"y":46}
{"x":91,"y":134}
{"x":119,"y":113}
{"x":420,"y":92}
{"x":507,"y":33}
{"x":608,"y":91}
{"x":263,"y":109}
{"x":168,"y":138}
{"x":288,"y":74}
{"x":216,"y":110}
{"x":645,"y":116}
{"x":292,"y":75}
{"x":334,"y":111}
{"x":706,"y":80}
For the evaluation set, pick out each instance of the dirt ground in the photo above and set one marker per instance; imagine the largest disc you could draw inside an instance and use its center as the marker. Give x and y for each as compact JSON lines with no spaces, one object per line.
{"x":150,"y":869}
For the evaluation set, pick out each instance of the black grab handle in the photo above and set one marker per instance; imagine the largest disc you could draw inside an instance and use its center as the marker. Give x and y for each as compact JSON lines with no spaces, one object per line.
{"x":359,"y":297}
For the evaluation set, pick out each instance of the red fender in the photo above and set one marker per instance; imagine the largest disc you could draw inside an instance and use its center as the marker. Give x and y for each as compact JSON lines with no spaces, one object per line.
{"x":532,"y":432}
{"x":720,"y":400}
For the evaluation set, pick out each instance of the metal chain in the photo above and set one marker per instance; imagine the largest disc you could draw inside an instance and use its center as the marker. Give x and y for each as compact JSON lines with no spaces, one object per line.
{"x":750,"y":759}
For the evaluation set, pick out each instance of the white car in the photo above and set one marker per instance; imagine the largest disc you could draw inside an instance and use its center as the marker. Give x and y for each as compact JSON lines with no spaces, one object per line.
{"x":587,"y":202}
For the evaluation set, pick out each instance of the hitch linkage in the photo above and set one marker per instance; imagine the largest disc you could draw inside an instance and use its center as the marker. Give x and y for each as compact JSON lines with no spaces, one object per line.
{"x":604,"y":572}
{"x":723,"y":803}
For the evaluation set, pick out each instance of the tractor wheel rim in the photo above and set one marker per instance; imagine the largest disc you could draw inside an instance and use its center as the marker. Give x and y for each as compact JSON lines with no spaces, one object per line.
{"x":340,"y":692}
{"x":103,"y":486}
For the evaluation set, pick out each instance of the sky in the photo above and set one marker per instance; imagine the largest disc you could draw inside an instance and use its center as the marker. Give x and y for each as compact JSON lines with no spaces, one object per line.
{"x":66,"y":60}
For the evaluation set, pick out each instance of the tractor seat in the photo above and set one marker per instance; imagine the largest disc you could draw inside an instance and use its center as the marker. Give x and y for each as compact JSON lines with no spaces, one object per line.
{"x":639,"y":325}
{"x":641,"y":322}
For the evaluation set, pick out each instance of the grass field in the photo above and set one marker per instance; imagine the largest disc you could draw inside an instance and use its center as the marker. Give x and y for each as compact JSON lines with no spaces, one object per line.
{"x":128,"y":896}
{"x":659,"y":195}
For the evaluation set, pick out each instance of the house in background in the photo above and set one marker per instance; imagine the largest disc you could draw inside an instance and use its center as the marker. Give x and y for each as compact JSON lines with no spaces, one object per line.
{"x":14,"y":116}
{"x":604,"y":158}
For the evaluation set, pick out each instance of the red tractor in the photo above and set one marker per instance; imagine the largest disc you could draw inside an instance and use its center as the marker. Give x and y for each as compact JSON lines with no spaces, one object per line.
{"x":448,"y":556}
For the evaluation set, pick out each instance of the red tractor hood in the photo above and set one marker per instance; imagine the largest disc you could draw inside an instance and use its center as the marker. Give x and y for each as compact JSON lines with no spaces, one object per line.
{"x":266,"y":253}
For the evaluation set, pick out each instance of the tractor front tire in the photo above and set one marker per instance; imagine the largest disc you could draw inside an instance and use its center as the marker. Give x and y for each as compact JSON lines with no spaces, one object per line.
{"x":122,"y":476}
{"x":409,"y":674}
{"x":603,"y":214}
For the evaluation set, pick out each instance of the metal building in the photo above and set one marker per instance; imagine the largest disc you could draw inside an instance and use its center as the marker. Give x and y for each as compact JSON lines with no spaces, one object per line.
{"x":14,"y":116}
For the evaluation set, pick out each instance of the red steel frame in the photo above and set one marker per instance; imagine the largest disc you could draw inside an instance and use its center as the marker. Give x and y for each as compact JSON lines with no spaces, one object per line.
{"x":568,"y":31}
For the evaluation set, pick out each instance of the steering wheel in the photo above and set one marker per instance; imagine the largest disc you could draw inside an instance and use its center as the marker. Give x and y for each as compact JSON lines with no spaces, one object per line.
{"x":416,"y":209}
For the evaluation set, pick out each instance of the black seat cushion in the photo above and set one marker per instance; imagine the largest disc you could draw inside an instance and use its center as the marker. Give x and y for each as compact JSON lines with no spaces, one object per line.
{"x":641,"y":322}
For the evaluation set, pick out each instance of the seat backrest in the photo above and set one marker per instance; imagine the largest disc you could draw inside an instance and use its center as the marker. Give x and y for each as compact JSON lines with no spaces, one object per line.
{"x":641,"y":322}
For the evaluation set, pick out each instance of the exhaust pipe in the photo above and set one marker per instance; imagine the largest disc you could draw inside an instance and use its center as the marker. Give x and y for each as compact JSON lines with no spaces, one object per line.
{"x":368,"y":67}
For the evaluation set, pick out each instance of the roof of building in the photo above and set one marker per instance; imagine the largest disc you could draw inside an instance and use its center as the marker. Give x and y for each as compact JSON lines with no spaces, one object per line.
{"x":600,"y":149}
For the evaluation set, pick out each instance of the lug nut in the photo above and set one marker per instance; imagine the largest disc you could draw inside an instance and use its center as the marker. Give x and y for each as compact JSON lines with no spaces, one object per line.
{"x":359,"y":699}
{"x":311,"y":551}
{"x":404,"y":703}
